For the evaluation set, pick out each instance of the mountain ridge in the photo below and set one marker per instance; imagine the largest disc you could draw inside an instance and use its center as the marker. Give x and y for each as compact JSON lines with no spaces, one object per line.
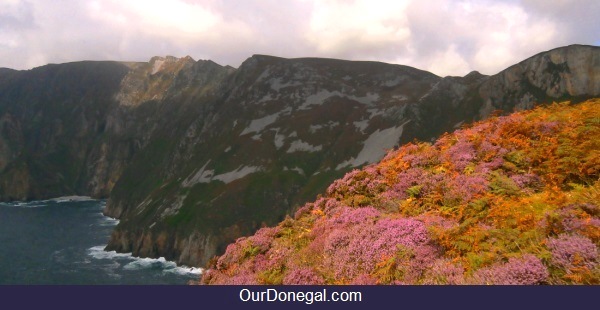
{"x":169,"y":148}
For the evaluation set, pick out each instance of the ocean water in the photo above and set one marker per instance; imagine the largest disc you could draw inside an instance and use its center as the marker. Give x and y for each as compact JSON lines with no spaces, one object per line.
{"x":61,"y":241}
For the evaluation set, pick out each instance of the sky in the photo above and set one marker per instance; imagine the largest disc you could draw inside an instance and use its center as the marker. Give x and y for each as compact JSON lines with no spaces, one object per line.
{"x":446,"y":37}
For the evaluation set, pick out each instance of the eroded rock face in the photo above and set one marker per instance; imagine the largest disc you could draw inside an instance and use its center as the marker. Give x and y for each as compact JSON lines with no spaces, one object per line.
{"x":71,"y":129}
{"x":282,"y":129}
{"x":278,"y":132}
{"x":53,"y":120}
{"x":194,"y":155}
{"x":561,"y":73}
{"x":165,"y":77}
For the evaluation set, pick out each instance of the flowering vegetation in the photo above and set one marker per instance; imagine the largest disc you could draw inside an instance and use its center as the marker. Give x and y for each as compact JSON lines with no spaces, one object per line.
{"x":511,"y":200}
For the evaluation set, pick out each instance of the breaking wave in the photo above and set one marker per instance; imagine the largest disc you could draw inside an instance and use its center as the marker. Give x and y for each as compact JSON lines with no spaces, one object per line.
{"x":44,"y":203}
{"x":71,"y":199}
{"x":23,"y":204}
{"x":130,"y":262}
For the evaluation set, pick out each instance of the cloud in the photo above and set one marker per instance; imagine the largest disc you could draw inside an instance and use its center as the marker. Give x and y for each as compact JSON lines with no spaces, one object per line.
{"x":576,"y":19}
{"x":364,"y":27}
{"x":483,"y":35}
{"x":443,"y":36}
{"x":173,"y":27}
{"x":448,"y":62}
{"x":14,"y":15}
{"x":227,"y":32}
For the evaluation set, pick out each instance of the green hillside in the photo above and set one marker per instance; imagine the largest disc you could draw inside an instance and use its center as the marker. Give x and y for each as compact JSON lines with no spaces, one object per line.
{"x":510,"y":200}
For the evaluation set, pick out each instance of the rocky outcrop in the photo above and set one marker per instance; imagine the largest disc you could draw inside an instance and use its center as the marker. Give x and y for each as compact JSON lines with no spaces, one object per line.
{"x":567,"y":73}
{"x":279,"y":130}
{"x":499,"y":202}
{"x":53,"y":120}
{"x":71,"y":129}
{"x":562,"y":73}
{"x":194,"y":155}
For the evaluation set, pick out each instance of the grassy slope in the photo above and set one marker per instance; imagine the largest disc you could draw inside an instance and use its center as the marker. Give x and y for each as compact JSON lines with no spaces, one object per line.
{"x":512,"y":200}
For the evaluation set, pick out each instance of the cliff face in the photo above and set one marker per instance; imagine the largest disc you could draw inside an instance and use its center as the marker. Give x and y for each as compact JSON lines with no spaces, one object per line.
{"x":560,"y":73}
{"x":280,"y":130}
{"x":53,"y":122}
{"x":71,"y":129}
{"x":511,"y":200}
{"x":159,"y":100}
{"x":564,"y":73}
{"x":194,"y":155}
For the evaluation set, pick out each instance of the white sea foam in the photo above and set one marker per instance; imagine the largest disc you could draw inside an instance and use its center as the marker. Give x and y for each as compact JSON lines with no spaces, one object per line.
{"x":107,"y":221}
{"x":22,"y":204}
{"x":70,"y":199}
{"x":98,"y":252}
{"x":149,"y":263}
{"x":44,"y":203}
{"x":138,"y":263}
{"x":183,"y":270}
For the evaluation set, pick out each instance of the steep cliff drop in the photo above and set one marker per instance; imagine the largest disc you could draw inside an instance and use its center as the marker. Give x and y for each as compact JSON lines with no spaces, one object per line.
{"x":193,"y":155}
{"x":514,"y":200}
{"x":281,"y":130}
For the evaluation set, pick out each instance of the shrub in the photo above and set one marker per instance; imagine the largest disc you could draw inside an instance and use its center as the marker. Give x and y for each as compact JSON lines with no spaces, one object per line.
{"x":569,"y":251}
{"x":354,"y":216}
{"x":525,"y":270}
{"x":303,"y":276}
{"x":444,"y":271}
{"x":461,"y":154}
{"x":356,"y":250}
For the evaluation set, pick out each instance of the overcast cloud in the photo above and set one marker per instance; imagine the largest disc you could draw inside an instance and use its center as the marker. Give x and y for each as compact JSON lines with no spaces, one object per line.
{"x":442,"y":36}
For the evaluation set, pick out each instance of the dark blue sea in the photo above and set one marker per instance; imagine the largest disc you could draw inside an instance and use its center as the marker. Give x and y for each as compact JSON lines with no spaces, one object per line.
{"x":61,"y":241}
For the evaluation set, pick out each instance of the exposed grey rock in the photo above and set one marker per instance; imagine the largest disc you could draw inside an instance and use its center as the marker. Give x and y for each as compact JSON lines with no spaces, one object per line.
{"x":193,"y":155}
